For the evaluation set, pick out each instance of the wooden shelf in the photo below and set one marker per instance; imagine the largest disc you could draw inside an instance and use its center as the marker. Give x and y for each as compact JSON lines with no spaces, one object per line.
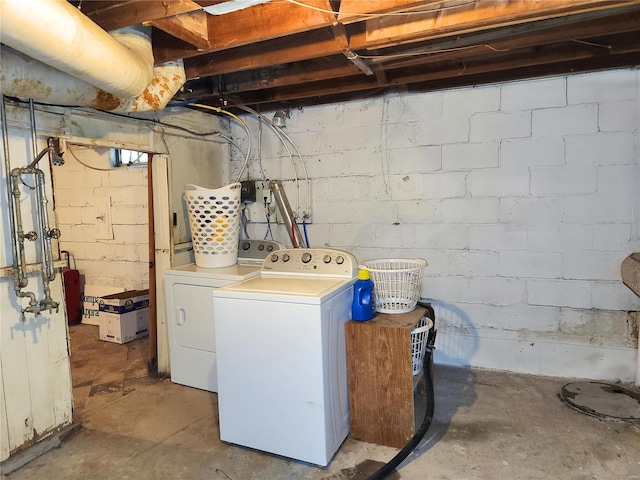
{"x":381,"y":384}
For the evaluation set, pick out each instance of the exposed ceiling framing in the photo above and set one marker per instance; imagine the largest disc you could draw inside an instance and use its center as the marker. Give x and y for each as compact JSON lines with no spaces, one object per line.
{"x":318,"y":51}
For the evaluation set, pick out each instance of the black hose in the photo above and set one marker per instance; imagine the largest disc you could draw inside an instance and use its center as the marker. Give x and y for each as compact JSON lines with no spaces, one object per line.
{"x":427,"y":366}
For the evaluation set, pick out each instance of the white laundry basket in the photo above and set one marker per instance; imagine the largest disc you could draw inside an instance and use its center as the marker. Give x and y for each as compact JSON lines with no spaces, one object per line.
{"x":419,"y":337}
{"x":214,"y":220}
{"x":397,"y":283}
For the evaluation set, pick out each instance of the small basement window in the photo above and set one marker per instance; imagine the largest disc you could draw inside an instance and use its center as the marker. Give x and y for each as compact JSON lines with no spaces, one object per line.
{"x":128,"y":158}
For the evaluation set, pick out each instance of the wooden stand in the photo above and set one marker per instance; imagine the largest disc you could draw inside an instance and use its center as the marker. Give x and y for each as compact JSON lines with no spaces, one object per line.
{"x":381,"y":383}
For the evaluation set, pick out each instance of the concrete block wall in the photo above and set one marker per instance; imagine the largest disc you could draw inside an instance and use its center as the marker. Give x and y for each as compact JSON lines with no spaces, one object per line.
{"x":524,"y":198}
{"x":122,"y":258}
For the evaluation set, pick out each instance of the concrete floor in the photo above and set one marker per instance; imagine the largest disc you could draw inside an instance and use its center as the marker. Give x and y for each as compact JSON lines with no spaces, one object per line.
{"x":488,"y":425}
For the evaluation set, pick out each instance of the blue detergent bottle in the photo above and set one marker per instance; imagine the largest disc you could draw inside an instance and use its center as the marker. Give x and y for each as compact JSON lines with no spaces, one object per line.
{"x":363,"y":307}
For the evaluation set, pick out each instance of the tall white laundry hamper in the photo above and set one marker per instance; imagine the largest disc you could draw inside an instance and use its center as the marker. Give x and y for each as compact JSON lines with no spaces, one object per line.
{"x":214,"y":220}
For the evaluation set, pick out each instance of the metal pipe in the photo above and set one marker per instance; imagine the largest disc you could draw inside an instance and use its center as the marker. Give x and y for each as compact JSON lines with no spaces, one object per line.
{"x":45,"y":234}
{"x":18,"y":233}
{"x":47,"y":272}
{"x":19,"y":236}
{"x":34,"y":138}
{"x":297,"y":239}
{"x":17,"y":269}
{"x":39,"y":157}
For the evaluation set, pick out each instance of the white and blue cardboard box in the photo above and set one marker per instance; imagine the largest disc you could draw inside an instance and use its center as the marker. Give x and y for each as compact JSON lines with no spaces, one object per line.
{"x":124,"y":316}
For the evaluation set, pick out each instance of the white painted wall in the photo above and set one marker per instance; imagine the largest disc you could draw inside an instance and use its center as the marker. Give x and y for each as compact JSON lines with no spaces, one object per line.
{"x":112,"y":251}
{"x":524,"y":198}
{"x":35,"y":378}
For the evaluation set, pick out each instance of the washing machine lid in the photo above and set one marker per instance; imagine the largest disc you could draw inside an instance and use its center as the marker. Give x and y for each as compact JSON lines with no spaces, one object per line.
{"x":235,"y":273}
{"x":294,"y":289}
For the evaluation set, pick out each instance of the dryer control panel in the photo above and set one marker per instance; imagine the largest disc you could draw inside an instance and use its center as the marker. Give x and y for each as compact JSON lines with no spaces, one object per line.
{"x":311,"y":261}
{"x":256,"y":249}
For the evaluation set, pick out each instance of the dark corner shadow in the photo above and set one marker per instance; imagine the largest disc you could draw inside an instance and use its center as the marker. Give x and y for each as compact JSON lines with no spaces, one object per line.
{"x":454,"y":381}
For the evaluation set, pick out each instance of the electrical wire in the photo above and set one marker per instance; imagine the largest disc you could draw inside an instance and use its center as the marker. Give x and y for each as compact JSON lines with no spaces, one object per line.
{"x":385,"y":14}
{"x":267,"y":214}
{"x":244,"y":220}
{"x":278,"y":131}
{"x":120,"y":115}
{"x":241,"y":122}
{"x":264,"y":175}
{"x":186,"y":103}
{"x":70,"y":151}
{"x":304,"y":229}
{"x":282,"y":134}
{"x":426,"y":52}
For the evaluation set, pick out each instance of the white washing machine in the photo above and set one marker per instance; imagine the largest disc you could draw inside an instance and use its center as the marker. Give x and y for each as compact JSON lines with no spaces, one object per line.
{"x":192,"y":349}
{"x":280,"y":344}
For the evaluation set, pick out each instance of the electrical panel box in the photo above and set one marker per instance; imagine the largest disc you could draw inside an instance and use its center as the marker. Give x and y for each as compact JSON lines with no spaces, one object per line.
{"x":247,"y":191}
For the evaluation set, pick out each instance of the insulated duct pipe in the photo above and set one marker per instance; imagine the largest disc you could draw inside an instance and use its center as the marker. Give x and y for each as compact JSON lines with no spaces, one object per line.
{"x":117,"y":76}
{"x":24,"y":77}
{"x":59,"y":35}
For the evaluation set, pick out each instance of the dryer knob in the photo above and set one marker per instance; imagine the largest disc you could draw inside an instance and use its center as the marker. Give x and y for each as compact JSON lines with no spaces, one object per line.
{"x":326,"y":259}
{"x":306,"y":257}
{"x":269,"y":248}
{"x":339,"y":259}
{"x":274,"y":258}
{"x":260,"y":247}
{"x":286,"y":257}
{"x":246,"y":246}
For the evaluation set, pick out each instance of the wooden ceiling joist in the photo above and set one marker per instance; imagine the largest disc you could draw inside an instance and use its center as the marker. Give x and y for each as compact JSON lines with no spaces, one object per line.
{"x":111,"y":15}
{"x":300,"y":50}
{"x":281,"y":50}
{"x":189,"y":27}
{"x":473,"y":17}
{"x":357,"y":10}
{"x":520,"y":60}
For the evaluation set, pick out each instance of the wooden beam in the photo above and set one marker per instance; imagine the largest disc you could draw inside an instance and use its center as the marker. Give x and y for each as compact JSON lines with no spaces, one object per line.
{"x":356,"y":10}
{"x":483,"y":43}
{"x":303,"y":46}
{"x":167,"y":48}
{"x":266,"y":21}
{"x":276,"y":30}
{"x":190,"y":27}
{"x":514,"y":60}
{"x":471,"y":46}
{"x":549,"y":60}
{"x":481,"y":15}
{"x":114,"y":15}
{"x":302,"y":72}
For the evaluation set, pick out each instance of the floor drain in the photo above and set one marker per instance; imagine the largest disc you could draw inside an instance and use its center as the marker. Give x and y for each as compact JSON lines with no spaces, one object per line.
{"x":604,"y":400}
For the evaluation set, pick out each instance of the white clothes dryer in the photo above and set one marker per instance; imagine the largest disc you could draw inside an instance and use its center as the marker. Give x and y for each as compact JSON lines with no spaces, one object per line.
{"x":192,"y":350}
{"x":280,"y":345}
